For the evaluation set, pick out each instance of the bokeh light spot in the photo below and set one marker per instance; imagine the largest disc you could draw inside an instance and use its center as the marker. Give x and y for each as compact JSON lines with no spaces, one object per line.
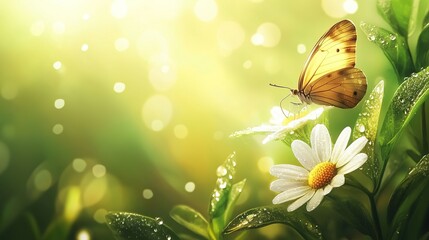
{"x":257,"y":39}
{"x":84,"y":47}
{"x":265,"y":163}
{"x":58,"y":129}
{"x":86,"y":16}
{"x":151,"y":43}
{"x":57,"y":65}
{"x":99,"y":170}
{"x":350,"y":6}
{"x":157,"y":112}
{"x":162,"y":77}
{"x":59,"y":103}
{"x":230,"y":36}
{"x":94,"y":191}
{"x":83,"y":235}
{"x":119,"y":9}
{"x":4,"y":157}
{"x":79,"y":165}
{"x":334,"y":8}
{"x":190,"y":186}
{"x":37,"y":28}
{"x":301,"y":48}
{"x":247,"y":64}
{"x":205,"y":10}
{"x":121,"y":44}
{"x":271,"y":34}
{"x":43,"y":180}
{"x":99,"y":215}
{"x":58,"y":27}
{"x":119,"y":87}
{"x":180,"y":131}
{"x":147,"y":194}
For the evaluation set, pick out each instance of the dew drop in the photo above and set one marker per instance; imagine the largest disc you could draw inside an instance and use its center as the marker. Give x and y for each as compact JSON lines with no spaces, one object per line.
{"x":159,"y":221}
{"x":221,"y":171}
{"x":371,"y":37}
{"x":361,"y":128}
{"x":392,"y":37}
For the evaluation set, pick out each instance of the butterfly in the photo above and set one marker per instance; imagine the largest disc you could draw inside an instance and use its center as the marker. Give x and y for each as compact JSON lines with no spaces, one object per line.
{"x":329,"y":76}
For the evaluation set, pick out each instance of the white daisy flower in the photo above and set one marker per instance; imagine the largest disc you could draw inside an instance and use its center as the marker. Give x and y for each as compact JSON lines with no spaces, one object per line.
{"x":323,"y":168}
{"x":282,"y":122}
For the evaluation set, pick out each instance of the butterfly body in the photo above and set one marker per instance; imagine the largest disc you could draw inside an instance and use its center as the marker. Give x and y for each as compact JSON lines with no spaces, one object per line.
{"x":329,"y":76}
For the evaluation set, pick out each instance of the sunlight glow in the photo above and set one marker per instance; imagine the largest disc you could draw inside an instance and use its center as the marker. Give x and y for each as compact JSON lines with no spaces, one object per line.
{"x":58,"y":129}
{"x":59,"y":103}
{"x":58,"y":27}
{"x":119,"y":87}
{"x":119,"y":9}
{"x":99,"y":215}
{"x":334,"y":8}
{"x":190,"y":186}
{"x":157,"y":112}
{"x":350,"y":6}
{"x":205,"y":10}
{"x":230,"y":36}
{"x":43,"y":180}
{"x":147,"y":194}
{"x":84,"y":47}
{"x":37,"y":28}
{"x":121,"y":44}
{"x":271,"y":34}
{"x":301,"y":48}
{"x":265,"y":163}
{"x":79,"y":164}
{"x":83,"y":235}
{"x":180,"y":131}
{"x":99,"y":170}
{"x":57,"y":65}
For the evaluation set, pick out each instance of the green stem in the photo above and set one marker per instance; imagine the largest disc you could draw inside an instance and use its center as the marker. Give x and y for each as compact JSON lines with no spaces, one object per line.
{"x":424,"y":129}
{"x":375,"y":217}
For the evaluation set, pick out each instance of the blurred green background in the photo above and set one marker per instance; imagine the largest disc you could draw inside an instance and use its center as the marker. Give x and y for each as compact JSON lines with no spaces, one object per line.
{"x":128,"y":105}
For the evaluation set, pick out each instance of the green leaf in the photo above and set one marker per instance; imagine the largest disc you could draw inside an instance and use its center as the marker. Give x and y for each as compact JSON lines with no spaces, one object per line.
{"x":356,"y":214}
{"x":220,"y":195}
{"x":422,"y":50}
{"x":263,"y":216}
{"x":131,"y":226}
{"x":410,"y":222}
{"x":409,"y":189}
{"x":397,"y":13}
{"x":367,"y":125}
{"x":191,"y":219}
{"x":394,"y":47}
{"x":406,"y":101}
{"x":236,"y":190}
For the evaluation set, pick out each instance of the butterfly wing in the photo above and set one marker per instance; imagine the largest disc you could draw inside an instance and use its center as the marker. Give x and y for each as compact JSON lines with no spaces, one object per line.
{"x":335,"y":50}
{"x":342,"y":88}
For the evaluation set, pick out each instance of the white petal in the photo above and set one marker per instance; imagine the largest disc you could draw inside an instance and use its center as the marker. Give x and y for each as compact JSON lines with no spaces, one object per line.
{"x":321,"y":142}
{"x":278,"y":134}
{"x":341,"y":144}
{"x":298,"y":203}
{"x":289,"y":171}
{"x":351,"y":151}
{"x":291,"y":194}
{"x":281,"y":185}
{"x":327,"y":189}
{"x":354,"y":164}
{"x":338,"y":180}
{"x":315,"y":200}
{"x":304,"y":154}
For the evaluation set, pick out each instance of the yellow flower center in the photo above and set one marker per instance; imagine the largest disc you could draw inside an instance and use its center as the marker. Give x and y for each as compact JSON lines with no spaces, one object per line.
{"x":321,"y":175}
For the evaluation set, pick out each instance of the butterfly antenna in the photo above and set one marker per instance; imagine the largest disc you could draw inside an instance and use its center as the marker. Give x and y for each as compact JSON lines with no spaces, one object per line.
{"x":279,"y":86}
{"x":281,"y":101}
